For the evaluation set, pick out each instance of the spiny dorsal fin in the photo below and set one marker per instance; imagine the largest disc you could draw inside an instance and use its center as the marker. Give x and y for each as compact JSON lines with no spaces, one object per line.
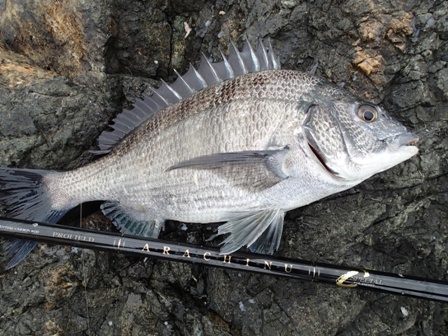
{"x":238,"y":63}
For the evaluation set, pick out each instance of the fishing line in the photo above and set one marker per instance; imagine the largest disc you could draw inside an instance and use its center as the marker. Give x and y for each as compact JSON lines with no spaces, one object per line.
{"x":84,"y":274}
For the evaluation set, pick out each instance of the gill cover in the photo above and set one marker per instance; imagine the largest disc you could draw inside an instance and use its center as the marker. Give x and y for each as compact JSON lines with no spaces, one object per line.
{"x":354,"y":140}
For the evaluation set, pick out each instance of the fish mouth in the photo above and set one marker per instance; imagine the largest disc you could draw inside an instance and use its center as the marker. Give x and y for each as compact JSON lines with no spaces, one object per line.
{"x":404,"y":140}
{"x":408,"y":139}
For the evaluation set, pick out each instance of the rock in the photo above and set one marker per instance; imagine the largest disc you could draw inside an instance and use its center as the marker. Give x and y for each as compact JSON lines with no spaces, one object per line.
{"x":67,"y":68}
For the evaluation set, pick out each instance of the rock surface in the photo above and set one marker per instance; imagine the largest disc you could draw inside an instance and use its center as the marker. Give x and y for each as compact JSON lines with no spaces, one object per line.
{"x":67,"y":68}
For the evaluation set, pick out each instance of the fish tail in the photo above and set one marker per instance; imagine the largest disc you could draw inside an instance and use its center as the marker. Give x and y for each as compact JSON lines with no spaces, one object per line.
{"x":24,"y":194}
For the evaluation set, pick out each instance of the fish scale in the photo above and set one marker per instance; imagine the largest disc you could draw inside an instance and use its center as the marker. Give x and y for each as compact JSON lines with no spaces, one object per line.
{"x":239,"y":141}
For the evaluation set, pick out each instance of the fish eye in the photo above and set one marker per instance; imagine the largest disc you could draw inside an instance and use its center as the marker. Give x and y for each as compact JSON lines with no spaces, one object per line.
{"x":368,"y":113}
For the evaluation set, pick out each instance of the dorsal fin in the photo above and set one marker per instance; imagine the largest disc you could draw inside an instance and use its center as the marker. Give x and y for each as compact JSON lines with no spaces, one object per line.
{"x":238,"y":63}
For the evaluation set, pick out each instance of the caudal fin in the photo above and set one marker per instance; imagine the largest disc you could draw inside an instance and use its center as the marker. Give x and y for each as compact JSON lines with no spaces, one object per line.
{"x":24,"y":194}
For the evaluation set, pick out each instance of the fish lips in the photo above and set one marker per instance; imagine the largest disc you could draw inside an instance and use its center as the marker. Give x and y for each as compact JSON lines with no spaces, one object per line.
{"x":403,"y":145}
{"x":405,"y":139}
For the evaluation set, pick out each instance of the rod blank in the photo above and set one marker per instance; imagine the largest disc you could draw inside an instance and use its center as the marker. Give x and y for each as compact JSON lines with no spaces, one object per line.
{"x":263,"y":264}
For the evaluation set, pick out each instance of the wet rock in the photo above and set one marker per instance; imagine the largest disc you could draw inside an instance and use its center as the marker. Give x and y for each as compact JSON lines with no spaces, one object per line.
{"x":67,"y":68}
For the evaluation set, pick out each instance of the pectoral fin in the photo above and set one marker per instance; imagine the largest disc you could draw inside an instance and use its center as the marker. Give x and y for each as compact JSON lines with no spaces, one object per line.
{"x":270,"y":158}
{"x":254,"y":170}
{"x":261,"y":231}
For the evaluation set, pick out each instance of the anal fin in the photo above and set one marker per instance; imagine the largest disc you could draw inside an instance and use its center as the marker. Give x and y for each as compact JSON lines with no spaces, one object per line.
{"x":129,"y":225}
{"x":261,"y":231}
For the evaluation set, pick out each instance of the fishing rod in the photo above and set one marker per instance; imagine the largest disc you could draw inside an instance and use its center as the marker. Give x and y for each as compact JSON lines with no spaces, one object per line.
{"x":263,"y":264}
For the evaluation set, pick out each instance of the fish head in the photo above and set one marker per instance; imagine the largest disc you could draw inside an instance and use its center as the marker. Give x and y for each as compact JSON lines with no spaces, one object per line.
{"x":353,"y":139}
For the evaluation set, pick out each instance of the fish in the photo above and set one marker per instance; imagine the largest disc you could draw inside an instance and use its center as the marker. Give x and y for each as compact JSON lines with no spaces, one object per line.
{"x":238,"y":142}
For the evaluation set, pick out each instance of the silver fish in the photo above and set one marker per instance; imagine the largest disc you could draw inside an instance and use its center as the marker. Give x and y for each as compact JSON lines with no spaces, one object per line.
{"x":239,"y":141}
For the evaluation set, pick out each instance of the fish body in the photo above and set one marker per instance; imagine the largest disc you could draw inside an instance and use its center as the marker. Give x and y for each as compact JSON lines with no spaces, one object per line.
{"x":136,"y":173}
{"x":239,"y":141}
